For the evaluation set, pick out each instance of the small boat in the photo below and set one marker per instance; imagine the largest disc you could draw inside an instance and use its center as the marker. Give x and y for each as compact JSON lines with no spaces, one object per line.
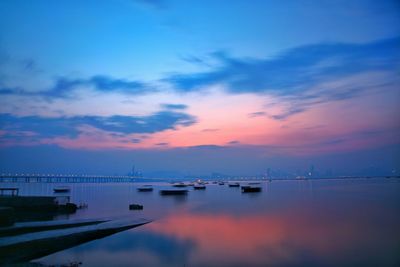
{"x":254,"y":183}
{"x":234,"y":185}
{"x":199,"y":187}
{"x":250,"y":189}
{"x":168,"y":192}
{"x":145,"y":189}
{"x":135,"y":207}
{"x":179,"y":185}
{"x":61,"y":189}
{"x":221,"y":183}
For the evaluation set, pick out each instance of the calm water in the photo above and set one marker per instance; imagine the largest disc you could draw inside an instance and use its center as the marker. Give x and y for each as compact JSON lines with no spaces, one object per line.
{"x":291,"y":223}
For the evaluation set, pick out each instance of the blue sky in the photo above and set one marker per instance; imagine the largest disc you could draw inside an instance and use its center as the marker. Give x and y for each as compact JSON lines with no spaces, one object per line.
{"x":289,"y":82}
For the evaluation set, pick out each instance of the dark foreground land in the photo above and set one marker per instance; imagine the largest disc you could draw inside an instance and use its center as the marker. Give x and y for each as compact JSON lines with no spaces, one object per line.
{"x":48,"y":237}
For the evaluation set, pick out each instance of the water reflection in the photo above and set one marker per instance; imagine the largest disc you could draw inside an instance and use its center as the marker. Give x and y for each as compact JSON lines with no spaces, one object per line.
{"x":176,"y":198}
{"x":301,"y":223}
{"x":284,"y":240}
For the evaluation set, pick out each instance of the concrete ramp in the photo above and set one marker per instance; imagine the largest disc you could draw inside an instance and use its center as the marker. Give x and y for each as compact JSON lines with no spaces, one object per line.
{"x":31,"y":246}
{"x":29,"y":227}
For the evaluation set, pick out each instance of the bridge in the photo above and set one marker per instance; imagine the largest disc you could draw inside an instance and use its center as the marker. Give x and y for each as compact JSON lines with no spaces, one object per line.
{"x":64,"y":178}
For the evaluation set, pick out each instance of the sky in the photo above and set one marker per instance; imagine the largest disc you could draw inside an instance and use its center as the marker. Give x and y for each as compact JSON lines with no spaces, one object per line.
{"x":194,"y":87}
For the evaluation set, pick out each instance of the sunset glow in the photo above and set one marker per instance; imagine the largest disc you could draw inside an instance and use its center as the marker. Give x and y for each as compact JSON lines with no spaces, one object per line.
{"x":160,"y":82}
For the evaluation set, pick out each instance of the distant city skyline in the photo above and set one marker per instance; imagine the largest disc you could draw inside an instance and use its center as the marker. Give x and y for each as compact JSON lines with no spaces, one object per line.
{"x":196,"y":87}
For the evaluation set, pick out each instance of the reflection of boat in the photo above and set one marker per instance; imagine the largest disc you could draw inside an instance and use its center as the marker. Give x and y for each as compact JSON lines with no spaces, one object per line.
{"x":61,"y":189}
{"x":199,"y":187}
{"x":250,"y":189}
{"x":173,"y":192}
{"x":234,"y":185}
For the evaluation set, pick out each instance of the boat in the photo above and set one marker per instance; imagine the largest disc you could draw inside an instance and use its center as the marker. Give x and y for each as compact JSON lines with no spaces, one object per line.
{"x":179,"y":185}
{"x":234,"y":185}
{"x":254,"y":183}
{"x":199,"y":187}
{"x":221,"y":183}
{"x":61,"y":189}
{"x":135,"y":207}
{"x":250,"y":189}
{"x":168,"y":192}
{"x":145,"y":189}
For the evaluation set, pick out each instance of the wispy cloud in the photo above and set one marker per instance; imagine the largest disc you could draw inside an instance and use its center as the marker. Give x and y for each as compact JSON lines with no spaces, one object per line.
{"x":195,"y":60}
{"x":302,"y":77}
{"x":294,"y":70}
{"x":36,"y":127}
{"x":162,"y":144}
{"x":257,"y":114}
{"x":234,"y":142}
{"x":64,"y":87}
{"x":287,"y":113}
{"x":174,"y":106}
{"x":100,"y":83}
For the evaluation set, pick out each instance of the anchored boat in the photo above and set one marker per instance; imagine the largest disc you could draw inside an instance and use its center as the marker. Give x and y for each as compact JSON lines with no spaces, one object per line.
{"x":199,"y":187}
{"x":146,"y":188}
{"x":179,"y":185}
{"x":61,"y":189}
{"x":168,"y":192}
{"x":250,"y":189}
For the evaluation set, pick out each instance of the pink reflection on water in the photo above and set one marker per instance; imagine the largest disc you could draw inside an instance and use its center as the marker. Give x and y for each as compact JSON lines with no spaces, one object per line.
{"x":283,"y":239}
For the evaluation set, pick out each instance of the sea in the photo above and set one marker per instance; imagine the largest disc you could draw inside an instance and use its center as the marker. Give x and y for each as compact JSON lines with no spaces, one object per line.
{"x":324,"y":222}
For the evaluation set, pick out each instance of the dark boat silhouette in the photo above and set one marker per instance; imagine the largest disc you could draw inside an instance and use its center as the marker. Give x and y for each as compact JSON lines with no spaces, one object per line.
{"x":179,"y":185}
{"x":61,"y":189}
{"x":250,"y":189}
{"x":199,"y":187}
{"x":168,"y":192}
{"x":146,"y":188}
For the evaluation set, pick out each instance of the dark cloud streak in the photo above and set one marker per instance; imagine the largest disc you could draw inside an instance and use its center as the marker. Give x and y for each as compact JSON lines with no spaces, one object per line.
{"x":174,"y":106}
{"x":64,"y":87}
{"x":295,"y":70}
{"x":49,"y":127}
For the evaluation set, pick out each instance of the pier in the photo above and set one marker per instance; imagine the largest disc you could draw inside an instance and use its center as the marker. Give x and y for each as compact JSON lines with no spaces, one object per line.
{"x":64,"y":178}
